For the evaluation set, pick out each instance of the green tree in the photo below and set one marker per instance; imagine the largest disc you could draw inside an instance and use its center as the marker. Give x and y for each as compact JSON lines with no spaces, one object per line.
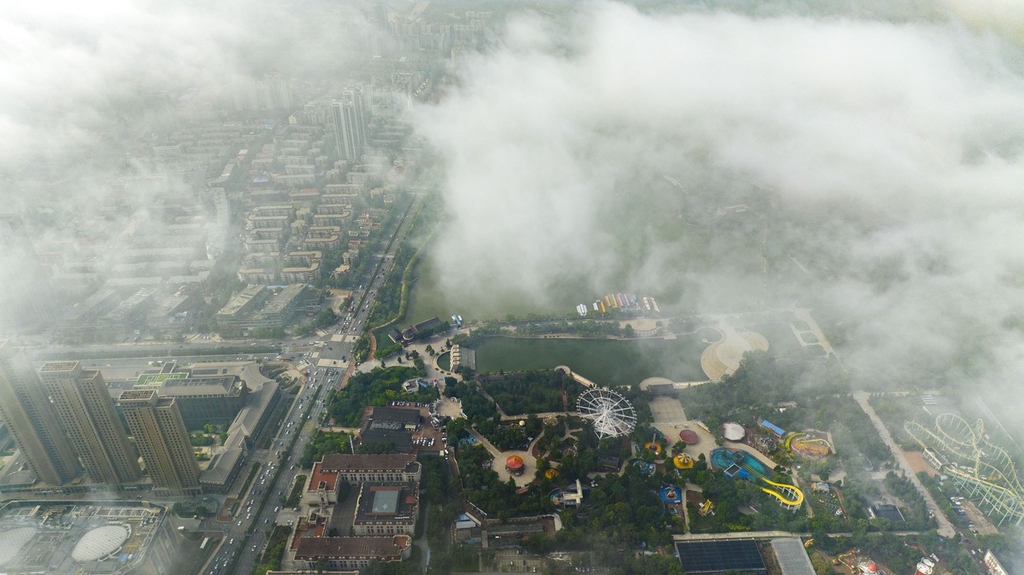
{"x":325,"y":318}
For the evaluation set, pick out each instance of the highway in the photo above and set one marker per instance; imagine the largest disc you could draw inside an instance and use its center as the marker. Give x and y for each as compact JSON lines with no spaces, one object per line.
{"x":199,"y":350}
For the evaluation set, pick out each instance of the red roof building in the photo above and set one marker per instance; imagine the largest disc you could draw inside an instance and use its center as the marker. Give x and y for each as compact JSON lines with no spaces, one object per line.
{"x":341,"y":467}
{"x":352,"y":552}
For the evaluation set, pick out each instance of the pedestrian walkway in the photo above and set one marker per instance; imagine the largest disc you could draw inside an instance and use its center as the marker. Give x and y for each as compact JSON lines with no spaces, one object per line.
{"x":498,"y":465}
{"x":946,"y":528}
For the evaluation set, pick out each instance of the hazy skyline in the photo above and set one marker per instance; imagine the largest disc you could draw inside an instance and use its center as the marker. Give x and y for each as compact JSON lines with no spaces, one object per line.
{"x":888,"y":136}
{"x":172,"y":171}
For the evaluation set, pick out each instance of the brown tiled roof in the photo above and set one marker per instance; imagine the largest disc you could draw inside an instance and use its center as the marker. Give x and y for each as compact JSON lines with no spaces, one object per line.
{"x":352,"y":547}
{"x":346,"y":461}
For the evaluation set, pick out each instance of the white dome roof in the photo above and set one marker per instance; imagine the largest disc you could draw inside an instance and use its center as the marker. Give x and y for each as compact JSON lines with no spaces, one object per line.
{"x":11,"y":542}
{"x":733,"y":431}
{"x":99,"y":543}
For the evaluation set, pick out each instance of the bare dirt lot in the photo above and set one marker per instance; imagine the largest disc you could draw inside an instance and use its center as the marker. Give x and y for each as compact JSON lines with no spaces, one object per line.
{"x":918,"y":464}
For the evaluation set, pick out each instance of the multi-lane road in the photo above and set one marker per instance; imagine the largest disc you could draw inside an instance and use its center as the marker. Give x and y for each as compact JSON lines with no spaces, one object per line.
{"x":265,"y":490}
{"x":259,"y":509}
{"x":275,"y":478}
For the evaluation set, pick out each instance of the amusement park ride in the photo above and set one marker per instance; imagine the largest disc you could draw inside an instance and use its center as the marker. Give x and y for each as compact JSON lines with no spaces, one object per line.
{"x":612,"y":414}
{"x":980,"y":469}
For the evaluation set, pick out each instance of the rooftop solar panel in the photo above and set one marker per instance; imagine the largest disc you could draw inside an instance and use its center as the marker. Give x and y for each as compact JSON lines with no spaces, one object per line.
{"x":713,"y":557}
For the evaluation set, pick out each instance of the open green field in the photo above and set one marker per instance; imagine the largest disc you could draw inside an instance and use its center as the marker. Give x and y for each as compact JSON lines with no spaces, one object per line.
{"x":606,"y":362}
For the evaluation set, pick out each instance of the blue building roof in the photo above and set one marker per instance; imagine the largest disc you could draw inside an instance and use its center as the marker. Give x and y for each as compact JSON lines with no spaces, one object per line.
{"x":772,"y":427}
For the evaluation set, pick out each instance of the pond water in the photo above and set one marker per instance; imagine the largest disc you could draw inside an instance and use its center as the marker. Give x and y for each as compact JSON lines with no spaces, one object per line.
{"x":444,"y":361}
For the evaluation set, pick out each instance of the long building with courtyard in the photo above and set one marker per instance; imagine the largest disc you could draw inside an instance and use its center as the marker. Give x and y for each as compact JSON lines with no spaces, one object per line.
{"x":374,"y":498}
{"x":332,"y":470}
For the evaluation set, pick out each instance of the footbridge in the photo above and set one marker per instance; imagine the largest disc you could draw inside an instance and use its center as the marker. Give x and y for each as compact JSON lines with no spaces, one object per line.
{"x":579,"y":378}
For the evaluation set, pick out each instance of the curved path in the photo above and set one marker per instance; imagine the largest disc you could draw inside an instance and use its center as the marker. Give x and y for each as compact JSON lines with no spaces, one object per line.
{"x":724,"y":356}
{"x":498,"y":464}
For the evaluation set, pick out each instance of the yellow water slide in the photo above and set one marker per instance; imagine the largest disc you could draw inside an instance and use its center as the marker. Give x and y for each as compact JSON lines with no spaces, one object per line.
{"x":789,"y":495}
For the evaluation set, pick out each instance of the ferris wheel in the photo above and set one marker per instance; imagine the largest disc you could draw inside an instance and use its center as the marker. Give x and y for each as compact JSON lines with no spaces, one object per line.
{"x":612,"y":414}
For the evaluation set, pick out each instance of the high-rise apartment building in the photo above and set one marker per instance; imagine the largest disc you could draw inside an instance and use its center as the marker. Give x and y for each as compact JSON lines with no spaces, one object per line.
{"x":159,"y":432}
{"x":90,"y":421}
{"x":32,"y":419}
{"x":349,"y":117}
{"x":355,"y":95}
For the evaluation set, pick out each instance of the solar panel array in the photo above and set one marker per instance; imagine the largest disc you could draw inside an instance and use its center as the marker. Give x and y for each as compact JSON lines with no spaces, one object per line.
{"x":714,"y":557}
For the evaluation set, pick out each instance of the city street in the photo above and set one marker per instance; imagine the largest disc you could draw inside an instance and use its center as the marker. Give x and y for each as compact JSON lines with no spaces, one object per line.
{"x":255,"y":507}
{"x":318,"y":383}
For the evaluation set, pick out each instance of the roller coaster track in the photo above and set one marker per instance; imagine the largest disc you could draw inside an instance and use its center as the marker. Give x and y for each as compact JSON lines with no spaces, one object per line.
{"x":979,"y":468}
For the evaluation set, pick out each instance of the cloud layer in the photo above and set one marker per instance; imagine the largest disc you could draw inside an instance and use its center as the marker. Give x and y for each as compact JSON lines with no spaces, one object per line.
{"x":79,"y":80}
{"x":880,"y":163}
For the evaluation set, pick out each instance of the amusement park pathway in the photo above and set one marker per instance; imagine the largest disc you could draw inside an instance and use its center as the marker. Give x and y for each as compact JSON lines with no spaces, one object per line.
{"x":541,"y":416}
{"x":946,"y":528}
{"x":498,"y":465}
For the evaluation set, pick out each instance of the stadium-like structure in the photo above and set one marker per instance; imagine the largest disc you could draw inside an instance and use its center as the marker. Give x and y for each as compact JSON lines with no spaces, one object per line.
{"x":611,"y":413}
{"x":983,"y":471}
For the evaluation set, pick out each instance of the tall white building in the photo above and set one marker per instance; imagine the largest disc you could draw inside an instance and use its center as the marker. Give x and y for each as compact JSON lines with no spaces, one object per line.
{"x":349,"y":117}
{"x":159,"y":431}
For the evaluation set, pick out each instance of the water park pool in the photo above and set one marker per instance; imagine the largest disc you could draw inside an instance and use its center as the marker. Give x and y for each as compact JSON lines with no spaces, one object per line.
{"x":737,"y":463}
{"x":747,"y":466}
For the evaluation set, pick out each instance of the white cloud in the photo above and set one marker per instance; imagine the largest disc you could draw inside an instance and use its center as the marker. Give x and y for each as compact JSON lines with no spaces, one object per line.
{"x":892,"y":148}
